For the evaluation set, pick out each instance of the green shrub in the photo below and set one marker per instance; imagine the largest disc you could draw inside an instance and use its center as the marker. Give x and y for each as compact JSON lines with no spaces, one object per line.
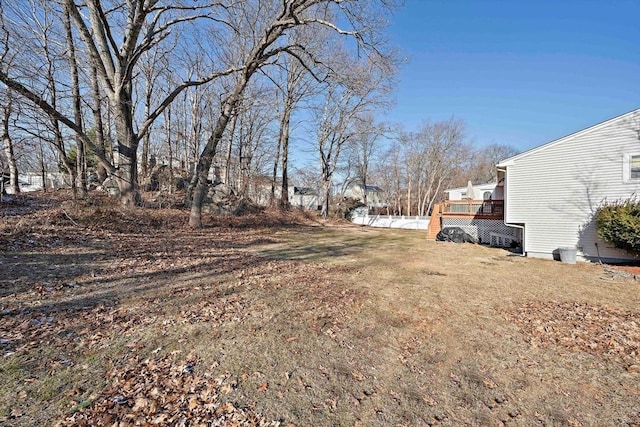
{"x":619,"y":223}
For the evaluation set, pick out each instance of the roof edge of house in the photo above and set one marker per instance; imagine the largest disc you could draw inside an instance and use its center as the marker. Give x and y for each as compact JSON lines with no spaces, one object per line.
{"x":509,"y":161}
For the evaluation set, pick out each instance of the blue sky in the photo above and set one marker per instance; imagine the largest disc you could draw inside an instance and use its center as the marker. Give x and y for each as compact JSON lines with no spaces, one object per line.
{"x":518,"y":73}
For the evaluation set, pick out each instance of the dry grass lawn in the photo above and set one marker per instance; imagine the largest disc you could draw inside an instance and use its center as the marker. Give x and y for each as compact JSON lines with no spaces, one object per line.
{"x":149,"y":323}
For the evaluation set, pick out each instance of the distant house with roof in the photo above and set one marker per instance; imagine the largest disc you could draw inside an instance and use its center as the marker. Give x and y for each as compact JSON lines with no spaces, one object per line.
{"x":259,"y":190}
{"x":552,"y":192}
{"x":372,"y":195}
{"x":304,"y":197}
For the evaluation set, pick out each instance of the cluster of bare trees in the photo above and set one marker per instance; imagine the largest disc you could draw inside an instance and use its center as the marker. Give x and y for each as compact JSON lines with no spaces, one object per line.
{"x":418,"y":166}
{"x":132,"y":83}
{"x":129,"y":86}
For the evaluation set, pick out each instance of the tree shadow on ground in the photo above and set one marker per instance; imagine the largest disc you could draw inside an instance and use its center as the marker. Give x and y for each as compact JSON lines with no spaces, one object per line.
{"x":13,"y":205}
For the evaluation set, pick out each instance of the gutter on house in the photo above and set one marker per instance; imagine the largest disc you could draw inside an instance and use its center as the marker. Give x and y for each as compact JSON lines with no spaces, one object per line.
{"x":521,"y":227}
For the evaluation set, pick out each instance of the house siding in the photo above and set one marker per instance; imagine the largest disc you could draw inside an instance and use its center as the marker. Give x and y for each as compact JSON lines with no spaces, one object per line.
{"x":555,"y":189}
{"x":478,"y":192}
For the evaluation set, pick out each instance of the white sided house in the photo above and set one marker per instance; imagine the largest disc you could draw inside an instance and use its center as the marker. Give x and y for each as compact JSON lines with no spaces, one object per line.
{"x":552,"y":192}
{"x":374,"y":195}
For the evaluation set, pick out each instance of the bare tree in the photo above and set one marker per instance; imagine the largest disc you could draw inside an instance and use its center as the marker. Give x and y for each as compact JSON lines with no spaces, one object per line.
{"x":100,"y":145}
{"x":253,"y":136}
{"x":81,"y":168}
{"x":115,"y":35}
{"x":7,"y":143}
{"x":483,"y":167}
{"x":152,"y":67}
{"x":364,"y":147}
{"x":294,"y":83}
{"x":433,"y":156}
{"x":348,"y":101}
{"x":391,"y":173}
{"x":40,"y":60}
{"x":269,"y":23}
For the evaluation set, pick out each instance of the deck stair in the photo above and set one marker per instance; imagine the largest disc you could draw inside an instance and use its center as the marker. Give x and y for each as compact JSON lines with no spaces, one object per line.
{"x":434,"y":224}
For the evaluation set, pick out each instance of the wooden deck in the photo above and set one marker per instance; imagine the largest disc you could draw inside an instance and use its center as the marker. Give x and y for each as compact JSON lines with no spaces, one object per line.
{"x":478,"y":209}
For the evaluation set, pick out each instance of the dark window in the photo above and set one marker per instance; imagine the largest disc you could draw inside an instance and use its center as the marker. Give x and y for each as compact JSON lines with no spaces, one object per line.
{"x":487,"y":195}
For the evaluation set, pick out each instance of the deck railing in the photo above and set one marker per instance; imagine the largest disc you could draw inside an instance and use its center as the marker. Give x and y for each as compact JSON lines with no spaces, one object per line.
{"x":494,"y":208}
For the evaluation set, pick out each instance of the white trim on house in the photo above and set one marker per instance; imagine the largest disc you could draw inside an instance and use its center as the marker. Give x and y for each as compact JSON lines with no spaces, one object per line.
{"x":626,"y":167}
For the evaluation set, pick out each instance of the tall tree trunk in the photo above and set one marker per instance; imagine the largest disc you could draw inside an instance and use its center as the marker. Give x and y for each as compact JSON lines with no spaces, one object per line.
{"x":99,"y":126}
{"x":409,"y":198}
{"x":127,"y":175}
{"x":167,"y":116}
{"x":146,"y":140}
{"x":202,"y":171}
{"x":7,"y":144}
{"x":274,"y":175}
{"x":210,"y":149}
{"x":364,"y":190}
{"x":58,"y":142}
{"x":232,"y":131}
{"x":43,"y":169}
{"x":196,"y":126}
{"x":284,"y":129}
{"x":81,"y":170}
{"x":326,"y":194}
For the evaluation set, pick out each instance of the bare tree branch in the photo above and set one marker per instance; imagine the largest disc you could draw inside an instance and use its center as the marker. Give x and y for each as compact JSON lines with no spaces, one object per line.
{"x":176,"y":91}
{"x":51,"y":112}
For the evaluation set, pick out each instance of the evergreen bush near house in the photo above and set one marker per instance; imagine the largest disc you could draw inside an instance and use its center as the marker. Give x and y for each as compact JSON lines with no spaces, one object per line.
{"x":619,"y":223}
{"x":348,"y":207}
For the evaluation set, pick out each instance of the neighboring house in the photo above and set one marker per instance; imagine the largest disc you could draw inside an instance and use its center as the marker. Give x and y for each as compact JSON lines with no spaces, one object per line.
{"x":259,"y":189}
{"x":305,"y":198}
{"x":375,"y":195}
{"x":32,"y":181}
{"x":299,"y":197}
{"x":553,"y":191}
{"x":490,"y":191}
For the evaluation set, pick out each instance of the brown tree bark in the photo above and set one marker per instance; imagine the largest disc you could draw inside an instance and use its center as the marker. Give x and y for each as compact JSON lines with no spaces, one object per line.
{"x":81,"y":170}
{"x":206,"y":157}
{"x":98,"y":123}
{"x":284,"y":141}
{"x":7,"y":145}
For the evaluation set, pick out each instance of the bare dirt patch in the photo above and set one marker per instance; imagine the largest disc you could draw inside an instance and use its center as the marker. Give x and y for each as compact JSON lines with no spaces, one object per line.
{"x":112,"y":315}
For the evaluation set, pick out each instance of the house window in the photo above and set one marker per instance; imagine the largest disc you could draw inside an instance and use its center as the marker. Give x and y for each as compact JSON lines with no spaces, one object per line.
{"x":487,"y":195}
{"x":631,"y":167}
{"x":634,"y":167}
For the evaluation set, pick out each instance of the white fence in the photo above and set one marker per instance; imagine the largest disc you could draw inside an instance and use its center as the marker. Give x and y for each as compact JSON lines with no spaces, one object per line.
{"x":388,"y":221}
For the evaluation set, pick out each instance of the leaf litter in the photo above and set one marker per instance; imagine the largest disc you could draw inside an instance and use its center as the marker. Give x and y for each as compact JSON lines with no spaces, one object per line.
{"x":93,"y":284}
{"x":599,"y":330}
{"x":56,"y":306}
